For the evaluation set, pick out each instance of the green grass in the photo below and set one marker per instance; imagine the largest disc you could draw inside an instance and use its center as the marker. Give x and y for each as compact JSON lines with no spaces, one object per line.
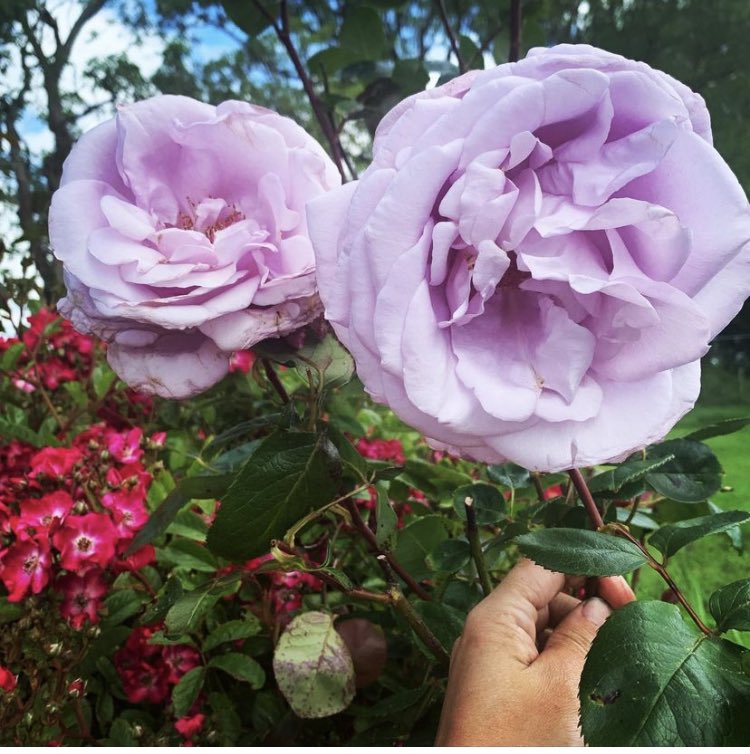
{"x":704,"y":566}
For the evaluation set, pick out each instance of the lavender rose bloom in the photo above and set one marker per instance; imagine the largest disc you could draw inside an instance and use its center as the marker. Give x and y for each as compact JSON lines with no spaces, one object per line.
{"x":537,"y":258}
{"x":182,"y":230}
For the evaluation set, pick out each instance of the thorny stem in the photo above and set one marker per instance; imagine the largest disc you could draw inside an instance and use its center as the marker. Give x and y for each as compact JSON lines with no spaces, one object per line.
{"x":515,"y":31}
{"x":622,"y":531}
{"x":367,"y":533}
{"x":586,"y":498}
{"x":281,"y":27}
{"x":537,"y":482}
{"x":403,"y":606}
{"x":273,"y":378}
{"x":455,"y":49}
{"x":472,"y":533}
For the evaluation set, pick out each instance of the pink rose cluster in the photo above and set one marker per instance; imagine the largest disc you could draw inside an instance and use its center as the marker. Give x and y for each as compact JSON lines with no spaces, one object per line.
{"x":182,"y":230}
{"x":69,"y":514}
{"x":537,"y":258}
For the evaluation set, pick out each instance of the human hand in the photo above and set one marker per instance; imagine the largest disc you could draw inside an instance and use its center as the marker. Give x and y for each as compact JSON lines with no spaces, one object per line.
{"x":515,"y":670}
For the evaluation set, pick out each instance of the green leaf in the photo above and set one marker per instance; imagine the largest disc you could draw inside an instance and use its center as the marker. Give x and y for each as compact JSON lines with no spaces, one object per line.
{"x":730,"y":606}
{"x":122,"y":605}
{"x":241,"y":667}
{"x":348,"y":453}
{"x":450,"y":556}
{"x":10,"y":357}
{"x":725,"y":427}
{"x":581,"y":552}
{"x":249,"y":17}
{"x":396,"y":704}
{"x":693,"y":475}
{"x":190,"y":608}
{"x":289,"y":475}
{"x":416,"y":541}
{"x":10,"y":612}
{"x":488,"y":503}
{"x":509,"y":475}
{"x":232,"y":631}
{"x":102,"y":377}
{"x":470,"y":52}
{"x":362,"y":32}
{"x":241,"y":430}
{"x":186,"y":553}
{"x":672,"y":537}
{"x":159,"y":521}
{"x":630,"y":471}
{"x":186,"y":691}
{"x":445,"y":622}
{"x":313,"y":668}
{"x":436,"y":480}
{"x":387,"y":521}
{"x":329,"y":61}
{"x":651,"y":680}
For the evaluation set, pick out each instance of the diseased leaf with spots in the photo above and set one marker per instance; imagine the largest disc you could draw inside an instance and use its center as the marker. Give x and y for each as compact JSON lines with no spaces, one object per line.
{"x":650,"y":679}
{"x":313,"y":666}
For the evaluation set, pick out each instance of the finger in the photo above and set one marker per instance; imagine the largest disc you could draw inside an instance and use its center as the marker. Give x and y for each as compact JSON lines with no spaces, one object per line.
{"x":565,"y":651}
{"x":560,"y":607}
{"x":528,"y":587}
{"x":615,"y":590}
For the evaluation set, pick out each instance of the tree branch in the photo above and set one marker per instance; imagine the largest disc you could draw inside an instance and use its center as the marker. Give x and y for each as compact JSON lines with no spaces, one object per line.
{"x":282,"y":29}
{"x":451,"y":36}
{"x":515,"y":31}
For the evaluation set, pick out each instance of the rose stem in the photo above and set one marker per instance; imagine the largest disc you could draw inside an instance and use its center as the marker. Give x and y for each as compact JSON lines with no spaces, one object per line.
{"x":273,"y":378}
{"x":361,"y":594}
{"x":515,"y":31}
{"x":451,"y":36}
{"x":367,"y":533}
{"x":588,"y":501}
{"x":596,"y":519}
{"x":404,"y":607}
{"x":472,"y":533}
{"x":537,"y":482}
{"x":321,"y":114}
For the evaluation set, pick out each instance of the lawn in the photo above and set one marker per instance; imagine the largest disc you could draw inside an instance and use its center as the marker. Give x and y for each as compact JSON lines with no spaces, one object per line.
{"x":704,"y":566}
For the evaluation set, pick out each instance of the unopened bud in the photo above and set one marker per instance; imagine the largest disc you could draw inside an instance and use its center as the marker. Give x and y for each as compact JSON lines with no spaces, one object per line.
{"x":55,"y":649}
{"x":81,"y":507}
{"x":77,"y":687}
{"x":137,"y":731}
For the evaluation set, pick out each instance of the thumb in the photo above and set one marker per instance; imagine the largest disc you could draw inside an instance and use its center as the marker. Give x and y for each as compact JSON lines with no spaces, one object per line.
{"x":571,"y":640}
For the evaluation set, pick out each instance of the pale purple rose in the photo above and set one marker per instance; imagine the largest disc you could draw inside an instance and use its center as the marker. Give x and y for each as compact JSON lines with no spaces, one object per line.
{"x":182,"y":230}
{"x":537,"y":258}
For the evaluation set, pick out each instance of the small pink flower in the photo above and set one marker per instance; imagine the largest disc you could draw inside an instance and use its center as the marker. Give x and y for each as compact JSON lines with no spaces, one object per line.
{"x":382,"y":450}
{"x":189,"y":725}
{"x":179,"y":660}
{"x":85,"y":541}
{"x":125,"y":447}
{"x":241,"y":361}
{"x":43,"y":514}
{"x":158,"y":439}
{"x":25,"y":567}
{"x":128,"y":511}
{"x":82,"y":597}
{"x":54,"y":462}
{"x":8,"y":681}
{"x":140,"y":558}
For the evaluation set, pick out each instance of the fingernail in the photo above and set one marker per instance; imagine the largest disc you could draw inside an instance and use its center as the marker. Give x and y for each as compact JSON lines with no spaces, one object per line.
{"x":596,"y":611}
